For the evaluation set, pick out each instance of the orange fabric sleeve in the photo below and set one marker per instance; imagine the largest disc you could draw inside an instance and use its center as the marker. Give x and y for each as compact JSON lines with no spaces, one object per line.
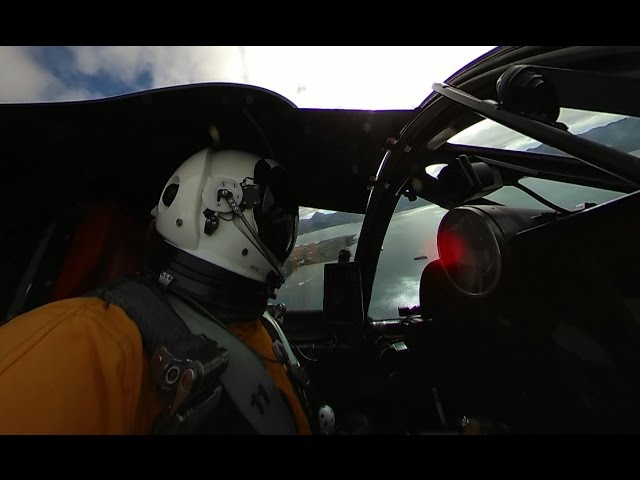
{"x":77,"y":366}
{"x":74,"y":367}
{"x":256,"y":336}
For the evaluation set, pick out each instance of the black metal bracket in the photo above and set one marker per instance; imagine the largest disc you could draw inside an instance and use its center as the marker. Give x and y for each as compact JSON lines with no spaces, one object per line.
{"x":211,"y":223}
{"x":250,"y":196}
{"x":228,"y":196}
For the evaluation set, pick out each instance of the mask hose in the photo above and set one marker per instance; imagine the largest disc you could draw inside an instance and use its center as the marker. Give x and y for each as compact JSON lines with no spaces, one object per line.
{"x":228,"y":196}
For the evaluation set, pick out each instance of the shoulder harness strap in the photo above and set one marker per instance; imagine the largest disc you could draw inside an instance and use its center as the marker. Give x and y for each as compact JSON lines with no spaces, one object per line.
{"x":192,"y":366}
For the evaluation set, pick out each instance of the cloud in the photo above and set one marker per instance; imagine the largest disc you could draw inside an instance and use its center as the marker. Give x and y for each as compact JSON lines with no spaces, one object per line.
{"x":316,"y":76}
{"x":381,"y":77}
{"x":312,"y":77}
{"x":21,"y":78}
{"x":24,"y":79}
{"x":166,"y":65}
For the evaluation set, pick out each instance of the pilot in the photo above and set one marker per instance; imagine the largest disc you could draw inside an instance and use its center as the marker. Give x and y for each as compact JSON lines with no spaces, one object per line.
{"x":186,"y":346}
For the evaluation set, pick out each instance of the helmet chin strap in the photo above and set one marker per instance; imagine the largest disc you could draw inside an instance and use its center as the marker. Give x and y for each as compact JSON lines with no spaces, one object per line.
{"x":262,"y":248}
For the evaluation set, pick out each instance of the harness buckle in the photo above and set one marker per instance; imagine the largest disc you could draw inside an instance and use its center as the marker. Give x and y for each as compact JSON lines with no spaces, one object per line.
{"x":193,"y":377}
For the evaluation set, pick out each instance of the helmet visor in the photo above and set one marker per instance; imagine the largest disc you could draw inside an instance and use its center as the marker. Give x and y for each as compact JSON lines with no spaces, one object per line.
{"x":276,"y":215}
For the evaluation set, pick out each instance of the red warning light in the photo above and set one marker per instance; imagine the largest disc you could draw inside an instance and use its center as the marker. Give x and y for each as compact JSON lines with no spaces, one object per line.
{"x":469,"y":250}
{"x":451,"y":248}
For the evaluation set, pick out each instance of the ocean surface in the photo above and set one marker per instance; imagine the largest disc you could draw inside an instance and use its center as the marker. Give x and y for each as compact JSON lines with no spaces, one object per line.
{"x":411,"y":234}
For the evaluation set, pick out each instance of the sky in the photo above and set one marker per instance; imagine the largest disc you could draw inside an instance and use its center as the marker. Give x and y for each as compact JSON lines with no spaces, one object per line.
{"x":351,"y":77}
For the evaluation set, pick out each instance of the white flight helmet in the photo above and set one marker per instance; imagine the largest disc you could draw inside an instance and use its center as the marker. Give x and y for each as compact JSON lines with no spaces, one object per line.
{"x":232,"y":209}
